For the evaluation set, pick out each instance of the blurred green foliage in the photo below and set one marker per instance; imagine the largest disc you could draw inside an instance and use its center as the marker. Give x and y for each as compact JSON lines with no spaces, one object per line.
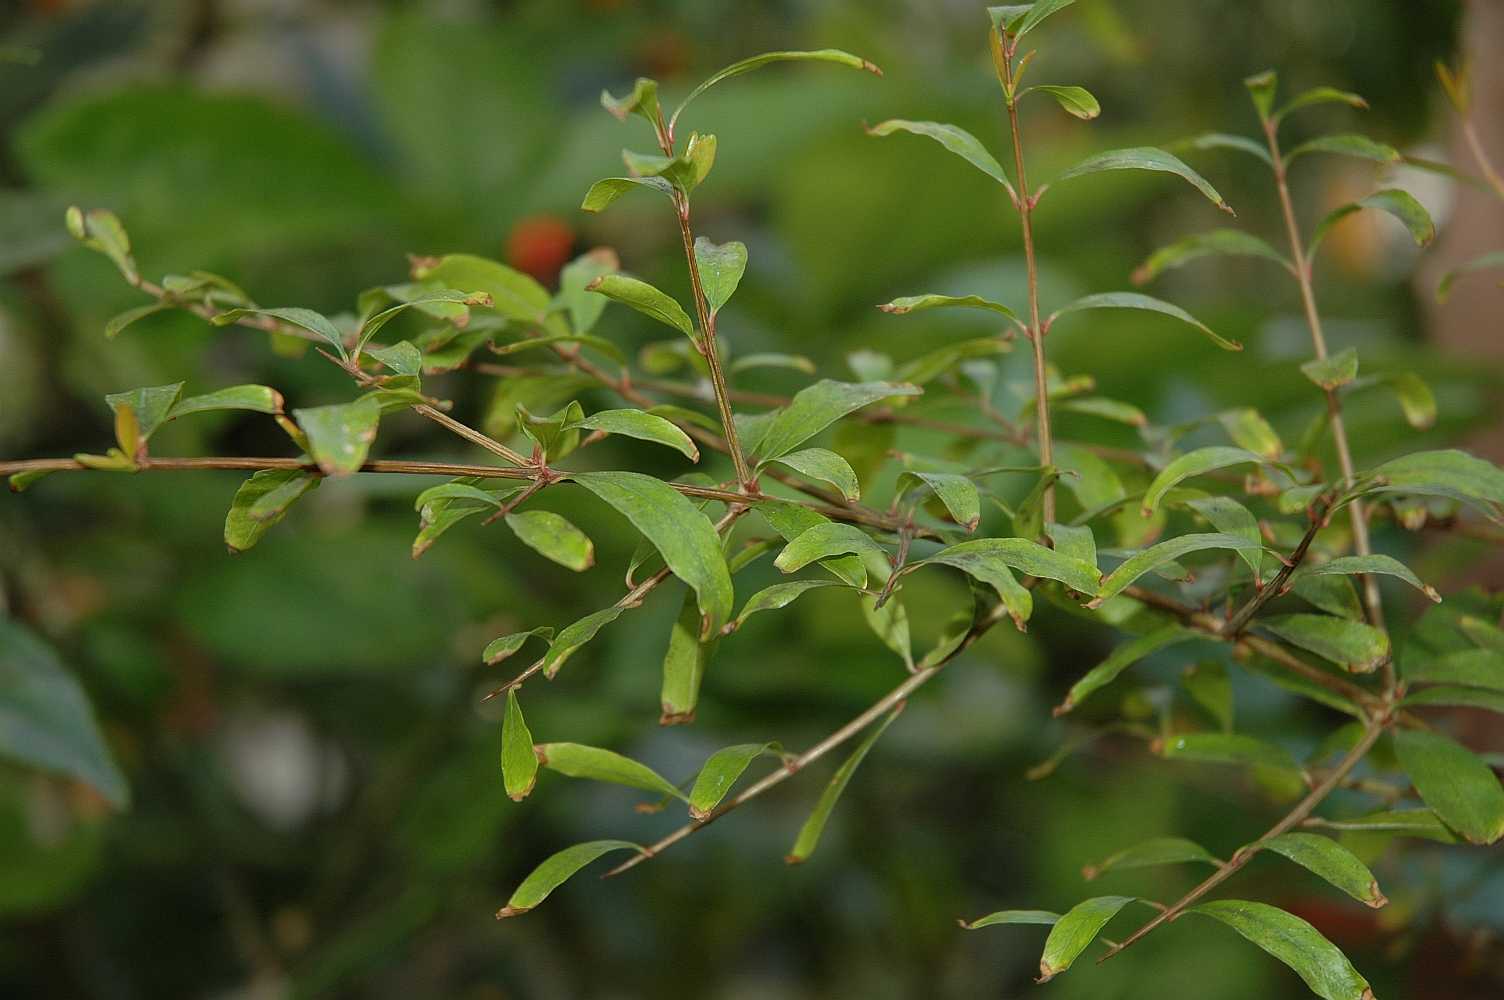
{"x":317,"y":802}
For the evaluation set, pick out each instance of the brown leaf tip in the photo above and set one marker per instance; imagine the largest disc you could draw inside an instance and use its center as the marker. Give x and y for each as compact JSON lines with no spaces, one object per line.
{"x":511,"y":911}
{"x":1046,"y":973}
{"x":872,"y":67}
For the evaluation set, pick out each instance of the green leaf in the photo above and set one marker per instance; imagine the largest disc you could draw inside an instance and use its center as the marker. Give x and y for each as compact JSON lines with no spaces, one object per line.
{"x":1208,"y":685}
{"x":926,"y":367}
{"x":957,"y":140}
{"x":1335,"y":371}
{"x":1217,"y":243}
{"x":1232,"y":518}
{"x":641,"y":425}
{"x":519,"y":764}
{"x":1320,"y":95}
{"x":1456,"y":697}
{"x":1121,"y":659}
{"x":1221,"y":140}
{"x":773,"y":359}
{"x":1164,"y":552}
{"x":402,"y":358}
{"x":584,"y":308}
{"x":1075,"y":542}
{"x":1489,"y":260}
{"x":1358,"y":647}
{"x":102,"y":231}
{"x":823,"y":541}
{"x":1373,"y":564}
{"x":515,"y":295}
{"x":1146,"y":158}
{"x":1359,"y":146}
{"x":46,"y":721}
{"x":1095,"y":485}
{"x":645,"y":299}
{"x":643,"y":100}
{"x":719,"y":773}
{"x":981,"y":558}
{"x":1479,"y":668}
{"x":502,"y":647}
{"x":306,"y":319}
{"x":1333,"y":862}
{"x":814,"y":826}
{"x":918,"y":303}
{"x":823,"y":466}
{"x":721,"y":269}
{"x":683,"y":536}
{"x":428,"y":297}
{"x":758,"y":61}
{"x":1195,"y":463}
{"x":553,"y":537}
{"x":1029,"y":15}
{"x":1076,"y":101}
{"x":256,"y":398}
{"x":815,"y":408}
{"x":779,"y":595}
{"x":603,"y":192}
{"x":596,"y":764}
{"x":1419,"y":823}
{"x":151,"y":407}
{"x":340,"y":436}
{"x":1262,"y":87}
{"x":1296,"y":943}
{"x":1400,"y":204}
{"x":1415,"y":398}
{"x":1151,"y":853}
{"x":1074,"y":931}
{"x":434,"y":522}
{"x":1455,"y":782}
{"x":120,"y":321}
{"x":684,"y":664}
{"x":555,"y":871}
{"x":791,"y":520}
{"x":575,"y":635}
{"x":1228,"y":748}
{"x":1250,"y":430}
{"x":1133,"y":300}
{"x":1042,"y":918}
{"x":1448,"y":473}
{"x":958,"y":494}
{"x":261,"y":502}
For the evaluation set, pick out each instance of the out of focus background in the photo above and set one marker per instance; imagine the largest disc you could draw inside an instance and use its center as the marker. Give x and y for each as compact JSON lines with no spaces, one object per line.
{"x":316,"y":801}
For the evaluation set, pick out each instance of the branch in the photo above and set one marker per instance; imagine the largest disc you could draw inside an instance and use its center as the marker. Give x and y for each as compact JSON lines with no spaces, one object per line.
{"x":1275,"y":587}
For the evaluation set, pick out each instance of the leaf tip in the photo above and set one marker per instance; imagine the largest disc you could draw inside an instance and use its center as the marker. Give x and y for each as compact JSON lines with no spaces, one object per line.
{"x":511,"y":911}
{"x":872,"y":67}
{"x":1046,"y":972}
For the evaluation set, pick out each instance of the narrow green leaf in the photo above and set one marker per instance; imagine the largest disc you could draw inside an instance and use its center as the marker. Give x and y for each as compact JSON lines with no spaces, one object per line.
{"x":426,"y":298}
{"x":645,"y":299}
{"x":402,"y":358}
{"x":957,"y":140}
{"x":596,"y":764}
{"x":46,"y":720}
{"x":553,"y":537}
{"x":1455,"y":782}
{"x":1164,"y":552}
{"x":1231,"y":518}
{"x":814,"y":826}
{"x":151,"y":406}
{"x":261,"y":502}
{"x":823,"y":466}
{"x":433,"y":522}
{"x":641,"y":425}
{"x":102,"y":231}
{"x":502,"y":647}
{"x":1221,"y":140}
{"x":1108,"y":409}
{"x":519,"y":764}
{"x":604,"y":192}
{"x":1074,"y":931}
{"x":1075,"y":542}
{"x":643,"y":100}
{"x":1228,"y":748}
{"x":515,"y":295}
{"x":958,"y":494}
{"x":20,"y":481}
{"x":1456,"y":697}
{"x":1400,"y":204}
{"x":684,"y":664}
{"x":773,"y":359}
{"x":575,"y":635}
{"x":791,"y":520}
{"x":305,"y":319}
{"x":1290,"y":939}
{"x":1076,"y":101}
{"x":816,"y":407}
{"x":1120,"y":660}
{"x":1359,"y":146}
{"x":1043,"y":918}
{"x":120,"y":321}
{"x":1152,"y":853}
{"x":1133,"y":300}
{"x":555,"y":871}
{"x":1449,"y":280}
{"x":1094,"y":484}
{"x":1195,"y":463}
{"x":1419,"y":823}
{"x":918,"y":303}
{"x":981,"y":557}
{"x":779,"y":595}
{"x":1320,"y":95}
{"x":1356,"y":646}
{"x":340,"y":436}
{"x":1333,"y":862}
{"x":1146,"y":158}
{"x":758,"y":61}
{"x":720,"y":773}
{"x":823,"y":541}
{"x":931,"y":365}
{"x":1248,"y":429}
{"x":683,"y":536}
{"x":1335,"y":371}
{"x":256,"y":398}
{"x":584,"y":308}
{"x":1415,"y":398}
{"x":1449,"y":473}
{"x":1217,"y":243}
{"x":1032,"y":15}
{"x":1373,"y":564}
{"x":721,"y":269}
{"x":1479,"y":668}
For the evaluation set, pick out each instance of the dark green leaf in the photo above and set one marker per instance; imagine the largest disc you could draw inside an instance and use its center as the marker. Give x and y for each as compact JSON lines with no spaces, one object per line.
{"x":1043,"y":918}
{"x":916,"y":303}
{"x":574,"y":635}
{"x":1195,"y":463}
{"x":340,"y":436}
{"x":1480,"y":668}
{"x":1029,"y":15}
{"x":1320,"y":95}
{"x":1133,"y":300}
{"x":721,"y":269}
{"x":1356,"y":646}
{"x":643,"y":100}
{"x":256,"y":398}
{"x":120,"y":321}
{"x":1158,"y":555}
{"x":814,"y":826}
{"x":519,"y":764}
{"x":1074,"y":931}
{"x":1077,"y":543}
{"x":1359,"y":146}
{"x":818,"y":406}
{"x":1152,"y":853}
{"x":981,"y":557}
{"x":603,"y":192}
{"x":502,"y":647}
{"x":1232,"y":518}
{"x":261,"y":502}
{"x":1221,"y":140}
{"x":555,"y":871}
{"x":1208,"y":685}
{"x":402,"y":358}
{"x":1077,"y":101}
{"x":779,"y":595}
{"x":1228,"y":748}
{"x":1451,"y":473}
{"x":684,"y":664}
{"x":1335,"y":371}
{"x":956,"y":492}
{"x":791,"y":520}
{"x":1457,"y":697}
{"x":1146,"y":158}
{"x":645,"y":299}
{"x":1121,"y":659}
{"x":151,"y":407}
{"x":306,"y":319}
{"x":1333,"y":862}
{"x":719,"y":773}
{"x":1460,"y":787}
{"x":596,"y":764}
{"x":823,"y":541}
{"x":553,"y":537}
{"x":1400,"y":204}
{"x":758,"y":61}
{"x":1262,"y":87}
{"x":1218,"y":242}
{"x":641,"y":425}
{"x":957,"y":140}
{"x":515,"y":295}
{"x":823,"y":466}
{"x":1375,"y":564}
{"x":1296,"y":943}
